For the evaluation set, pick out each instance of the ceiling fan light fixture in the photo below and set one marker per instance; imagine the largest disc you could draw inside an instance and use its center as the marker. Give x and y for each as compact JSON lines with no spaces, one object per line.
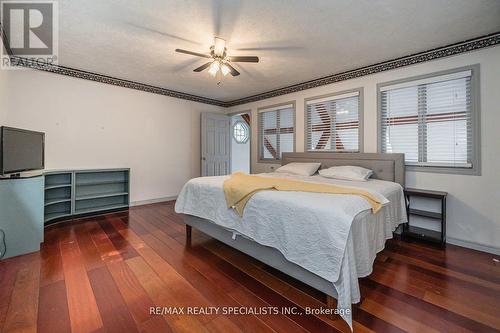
{"x":219,"y":63}
{"x":219,"y":46}
{"x":214,"y":68}
{"x":225,"y":69}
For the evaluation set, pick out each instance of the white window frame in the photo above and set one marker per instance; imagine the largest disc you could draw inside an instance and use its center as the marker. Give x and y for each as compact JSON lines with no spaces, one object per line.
{"x":475,"y":118}
{"x":245,"y":127}
{"x":334,"y":96}
{"x":259,"y":129}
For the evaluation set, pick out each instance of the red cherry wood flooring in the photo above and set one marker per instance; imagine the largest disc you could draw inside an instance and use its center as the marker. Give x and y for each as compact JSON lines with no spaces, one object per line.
{"x":104,"y":273}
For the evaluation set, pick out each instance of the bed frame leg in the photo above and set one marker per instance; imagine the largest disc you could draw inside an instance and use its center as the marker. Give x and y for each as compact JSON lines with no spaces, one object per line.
{"x":331,"y":303}
{"x":189,"y":230}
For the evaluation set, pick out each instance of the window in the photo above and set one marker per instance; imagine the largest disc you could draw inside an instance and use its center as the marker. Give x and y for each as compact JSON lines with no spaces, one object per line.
{"x":433,"y":120}
{"x":332,"y":123}
{"x":276,"y":131}
{"x":241,"y":132}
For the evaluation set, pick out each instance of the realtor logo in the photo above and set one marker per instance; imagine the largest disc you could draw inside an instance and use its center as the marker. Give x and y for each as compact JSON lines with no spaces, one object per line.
{"x":30,"y":31}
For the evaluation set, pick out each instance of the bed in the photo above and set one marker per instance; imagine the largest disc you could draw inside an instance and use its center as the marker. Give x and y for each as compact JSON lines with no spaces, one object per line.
{"x":327,"y":241}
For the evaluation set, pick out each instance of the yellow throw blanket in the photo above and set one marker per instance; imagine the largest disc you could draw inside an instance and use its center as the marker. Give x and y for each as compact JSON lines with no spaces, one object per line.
{"x":240,"y":187}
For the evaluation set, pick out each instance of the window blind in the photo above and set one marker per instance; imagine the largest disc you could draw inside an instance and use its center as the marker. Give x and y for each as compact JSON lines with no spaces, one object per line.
{"x":276,"y":131}
{"x":332,"y":123}
{"x":430,"y":121}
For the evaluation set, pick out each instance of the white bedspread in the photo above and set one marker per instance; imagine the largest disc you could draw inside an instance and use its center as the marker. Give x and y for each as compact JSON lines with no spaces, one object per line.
{"x":312,"y":230}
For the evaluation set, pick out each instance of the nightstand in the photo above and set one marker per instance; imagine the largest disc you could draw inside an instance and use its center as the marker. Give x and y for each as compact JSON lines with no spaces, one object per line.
{"x":411,"y":231}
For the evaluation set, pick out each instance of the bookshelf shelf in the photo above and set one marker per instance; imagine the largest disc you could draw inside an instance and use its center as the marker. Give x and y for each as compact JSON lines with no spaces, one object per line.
{"x":71,"y":193}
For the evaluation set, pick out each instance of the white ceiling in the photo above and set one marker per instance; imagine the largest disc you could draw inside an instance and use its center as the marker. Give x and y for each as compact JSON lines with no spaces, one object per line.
{"x":296,"y":40}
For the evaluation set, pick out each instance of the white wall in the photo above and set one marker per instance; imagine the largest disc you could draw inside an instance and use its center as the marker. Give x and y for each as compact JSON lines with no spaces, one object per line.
{"x":3,"y":110}
{"x":473,"y":202}
{"x":240,"y":152}
{"x":94,"y":125}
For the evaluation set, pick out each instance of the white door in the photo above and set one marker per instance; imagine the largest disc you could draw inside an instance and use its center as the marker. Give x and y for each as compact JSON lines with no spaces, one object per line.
{"x":215,"y":144}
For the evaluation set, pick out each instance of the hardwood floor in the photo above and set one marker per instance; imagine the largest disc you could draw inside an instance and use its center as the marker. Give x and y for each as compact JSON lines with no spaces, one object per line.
{"x":106,"y":273}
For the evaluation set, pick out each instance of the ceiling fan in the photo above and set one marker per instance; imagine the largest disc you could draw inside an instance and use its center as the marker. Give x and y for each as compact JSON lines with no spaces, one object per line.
{"x":220,"y":61}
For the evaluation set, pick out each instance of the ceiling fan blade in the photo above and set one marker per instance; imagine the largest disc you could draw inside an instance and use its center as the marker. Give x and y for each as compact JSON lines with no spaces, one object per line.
{"x":162,"y":33}
{"x":193,"y":53}
{"x":234,"y":72}
{"x":202,"y":67}
{"x":243,"y":59}
{"x":269,"y":48}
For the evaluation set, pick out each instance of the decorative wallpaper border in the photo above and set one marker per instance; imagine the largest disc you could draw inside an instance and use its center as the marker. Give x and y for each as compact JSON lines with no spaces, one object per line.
{"x":437,"y":53}
{"x":440,"y":52}
{"x":80,"y":74}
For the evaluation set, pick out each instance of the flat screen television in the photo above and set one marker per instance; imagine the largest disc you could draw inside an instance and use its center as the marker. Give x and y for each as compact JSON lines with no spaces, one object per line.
{"x":21,"y":150}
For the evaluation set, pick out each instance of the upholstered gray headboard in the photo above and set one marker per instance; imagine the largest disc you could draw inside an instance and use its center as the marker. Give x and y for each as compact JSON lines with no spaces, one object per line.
{"x":389,"y":167}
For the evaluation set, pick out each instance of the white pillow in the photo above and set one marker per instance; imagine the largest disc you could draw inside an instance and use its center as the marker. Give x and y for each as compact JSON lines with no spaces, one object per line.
{"x":347,"y":172}
{"x":301,"y":169}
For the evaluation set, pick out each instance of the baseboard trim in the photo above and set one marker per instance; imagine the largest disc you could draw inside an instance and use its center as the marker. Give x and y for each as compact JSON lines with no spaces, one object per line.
{"x":473,"y":245}
{"x":151,"y":201}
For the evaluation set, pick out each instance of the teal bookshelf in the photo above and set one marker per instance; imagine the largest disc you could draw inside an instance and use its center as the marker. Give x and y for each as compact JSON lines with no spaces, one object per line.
{"x":72,"y":193}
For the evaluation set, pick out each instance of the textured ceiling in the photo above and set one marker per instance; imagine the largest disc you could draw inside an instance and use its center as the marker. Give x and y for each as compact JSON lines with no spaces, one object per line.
{"x":295,"y":40}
